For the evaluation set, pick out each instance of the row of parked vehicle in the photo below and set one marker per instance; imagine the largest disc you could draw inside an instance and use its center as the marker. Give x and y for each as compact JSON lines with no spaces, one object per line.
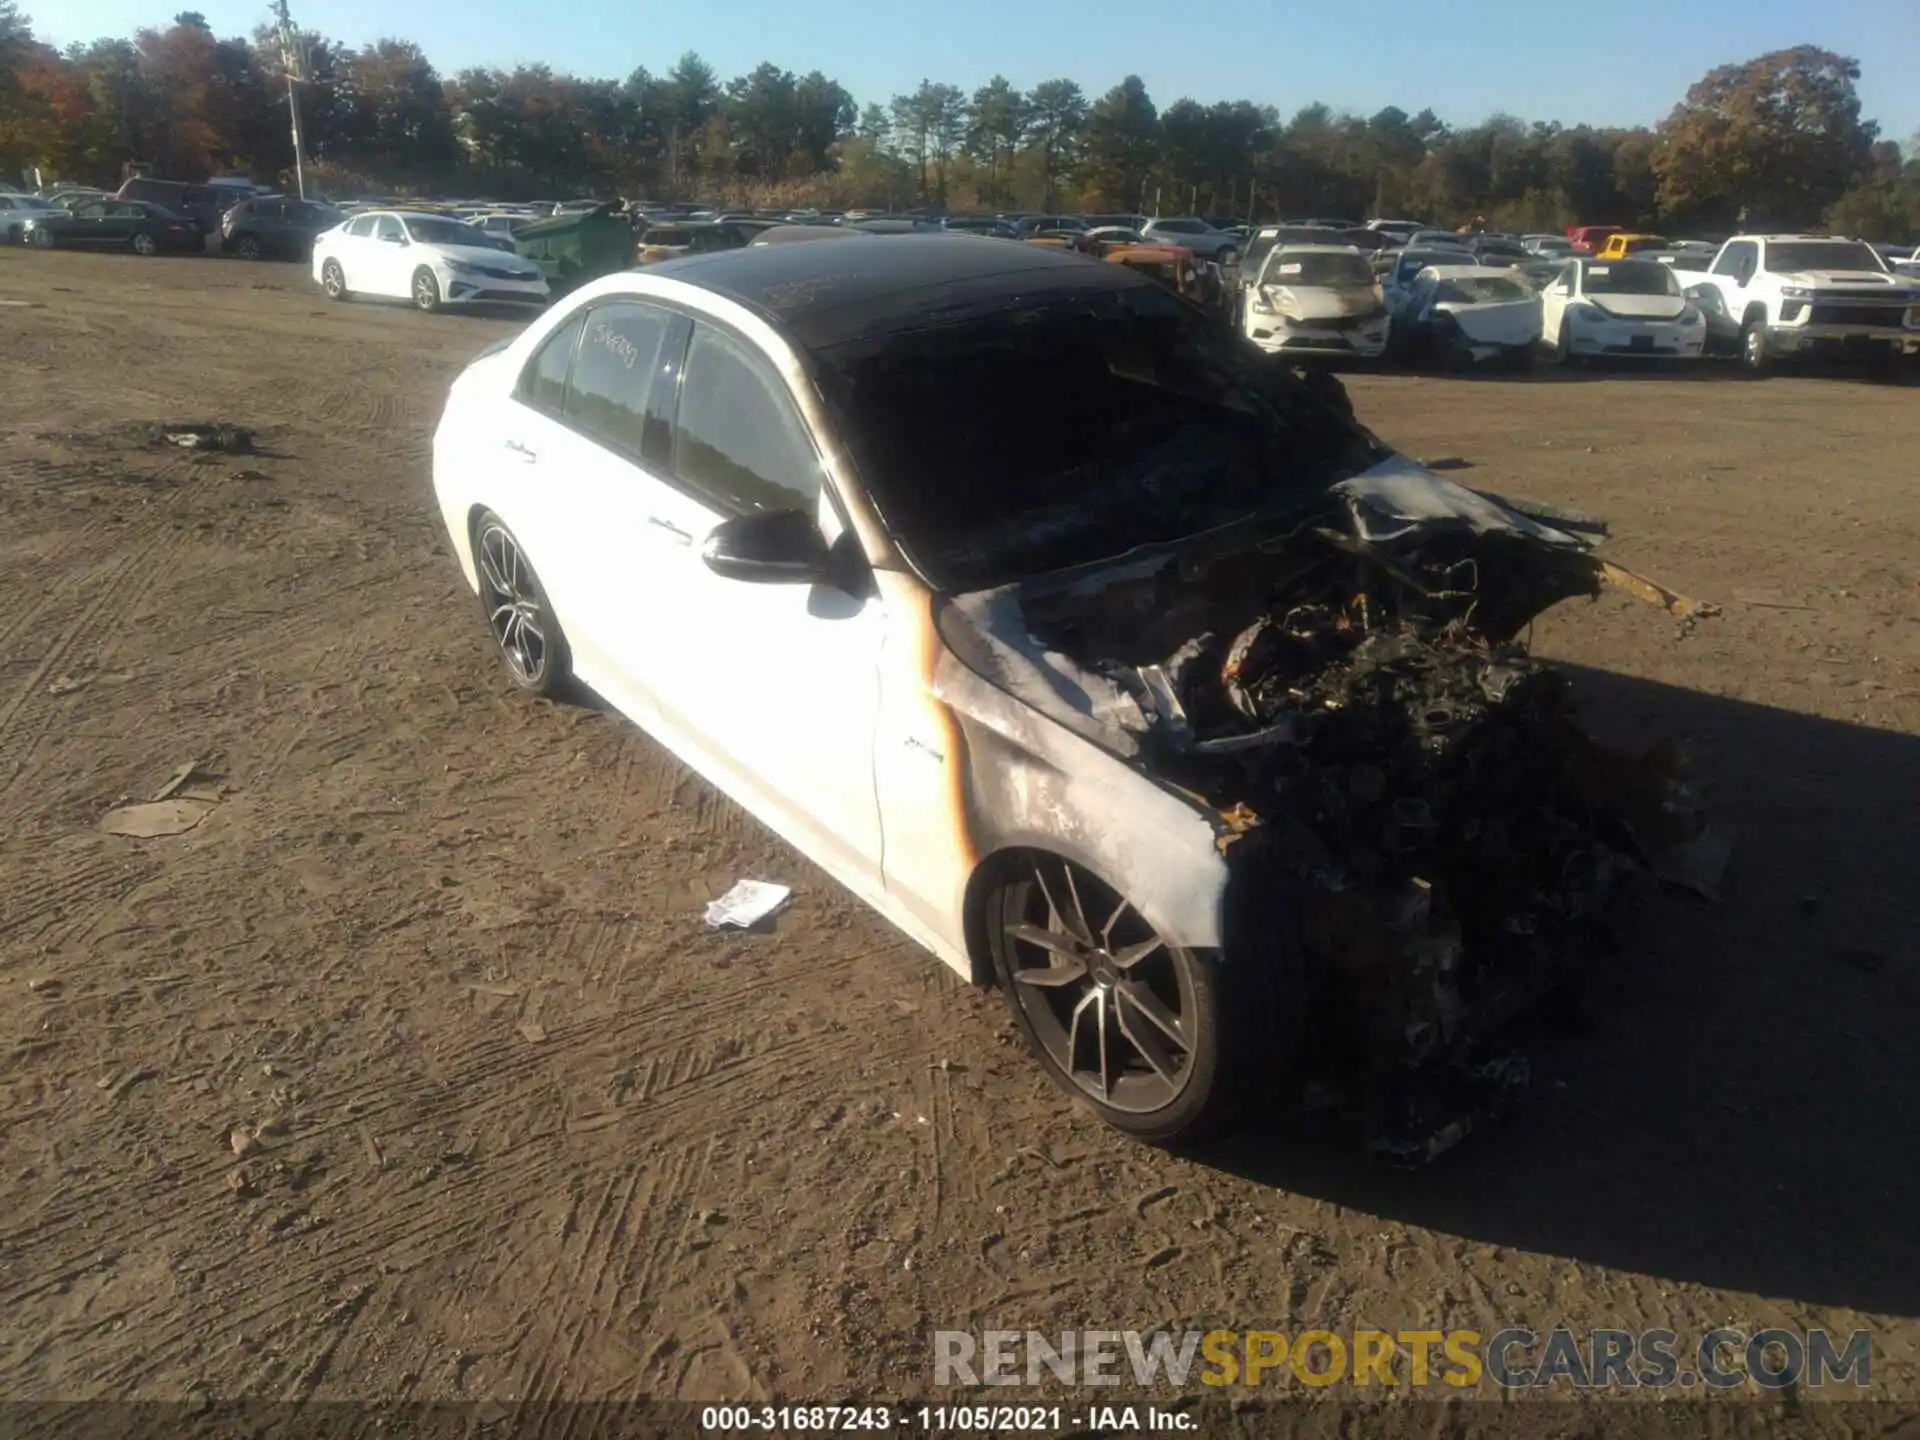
{"x":1443,"y":299}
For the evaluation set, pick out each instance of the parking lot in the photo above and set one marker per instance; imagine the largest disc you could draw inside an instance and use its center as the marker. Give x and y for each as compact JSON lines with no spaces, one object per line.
{"x":413,"y":1071}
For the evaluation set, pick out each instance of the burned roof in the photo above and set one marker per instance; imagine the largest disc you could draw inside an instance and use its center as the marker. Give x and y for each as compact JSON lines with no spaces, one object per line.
{"x":821,"y":295}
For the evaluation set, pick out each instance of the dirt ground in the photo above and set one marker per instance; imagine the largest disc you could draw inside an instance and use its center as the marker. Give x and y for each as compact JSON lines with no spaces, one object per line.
{"x":531,"y":1131}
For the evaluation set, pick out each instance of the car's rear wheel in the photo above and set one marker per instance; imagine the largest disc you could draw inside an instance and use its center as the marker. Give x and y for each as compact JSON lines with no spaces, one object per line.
{"x":519,"y":616}
{"x":1120,"y":1019}
{"x":333,"y":280}
{"x":426,"y":290}
{"x":247,"y":247}
{"x":142,"y":243}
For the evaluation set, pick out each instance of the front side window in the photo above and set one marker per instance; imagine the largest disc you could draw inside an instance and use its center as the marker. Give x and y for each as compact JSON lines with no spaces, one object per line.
{"x":436,"y":230}
{"x":543,"y":384}
{"x":91,"y":212}
{"x":738,"y":440}
{"x":619,"y":353}
{"x":361,"y":228}
{"x":1736,"y":260}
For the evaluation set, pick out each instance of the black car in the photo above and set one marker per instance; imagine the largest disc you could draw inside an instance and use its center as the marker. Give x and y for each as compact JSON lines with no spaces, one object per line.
{"x":256,"y":229}
{"x":134,"y":225}
{"x":205,"y":203}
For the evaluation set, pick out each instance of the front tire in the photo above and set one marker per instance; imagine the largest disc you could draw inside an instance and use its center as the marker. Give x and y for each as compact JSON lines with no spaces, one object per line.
{"x":426,"y":290}
{"x":143,"y":244}
{"x":1754,"y":358}
{"x":247,"y":247}
{"x":1138,"y":1030}
{"x":333,"y":280}
{"x":520,"y":618}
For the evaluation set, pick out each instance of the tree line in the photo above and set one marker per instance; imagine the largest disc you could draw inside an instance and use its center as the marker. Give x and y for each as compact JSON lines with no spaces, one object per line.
{"x":1776,"y":141}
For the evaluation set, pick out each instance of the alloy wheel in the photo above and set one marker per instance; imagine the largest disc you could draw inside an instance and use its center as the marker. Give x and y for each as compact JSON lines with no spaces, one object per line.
{"x":143,"y":244}
{"x":515,"y":614}
{"x":249,"y":248}
{"x":426,"y":291}
{"x":1112,"y":1006}
{"x":332,"y":280}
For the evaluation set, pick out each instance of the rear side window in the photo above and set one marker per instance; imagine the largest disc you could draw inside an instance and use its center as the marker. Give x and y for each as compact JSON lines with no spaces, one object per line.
{"x":619,"y":353}
{"x":543,"y":384}
{"x":738,"y":441}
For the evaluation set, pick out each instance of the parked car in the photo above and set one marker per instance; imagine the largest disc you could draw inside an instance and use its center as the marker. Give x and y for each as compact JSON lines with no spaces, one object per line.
{"x":1538,"y":274}
{"x":1462,"y":315}
{"x":431,"y":260}
{"x":1773,"y":296}
{"x":204,"y":203}
{"x":1317,"y":301}
{"x":982,"y":225}
{"x":256,"y":229}
{"x":132,"y":225}
{"x":1196,"y":235}
{"x":1547,"y":246}
{"x":1124,"y":222}
{"x":15,"y":210}
{"x":1586,"y":239}
{"x":1624,"y":309}
{"x":687,"y":237}
{"x":1623,"y":244}
{"x":1397,"y":282}
{"x":1401,"y":230}
{"x":1003,"y":545}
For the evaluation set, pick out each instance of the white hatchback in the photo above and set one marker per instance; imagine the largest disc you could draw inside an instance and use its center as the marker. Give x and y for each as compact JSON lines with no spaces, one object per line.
{"x":431,"y":260}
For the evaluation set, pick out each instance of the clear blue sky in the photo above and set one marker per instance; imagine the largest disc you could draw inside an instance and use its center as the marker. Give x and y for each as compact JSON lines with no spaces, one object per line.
{"x":1605,"y":62}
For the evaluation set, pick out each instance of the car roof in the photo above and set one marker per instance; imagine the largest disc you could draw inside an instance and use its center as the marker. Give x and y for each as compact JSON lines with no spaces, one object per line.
{"x":820,"y":295}
{"x":1457,"y":272}
{"x":1301,"y":249}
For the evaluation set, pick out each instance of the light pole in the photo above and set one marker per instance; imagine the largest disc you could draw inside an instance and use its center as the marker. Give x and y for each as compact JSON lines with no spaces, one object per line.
{"x":293,"y":61}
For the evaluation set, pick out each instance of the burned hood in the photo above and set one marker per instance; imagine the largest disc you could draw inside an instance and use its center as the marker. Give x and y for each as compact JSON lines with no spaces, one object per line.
{"x":1324,"y":302}
{"x":1088,"y":648}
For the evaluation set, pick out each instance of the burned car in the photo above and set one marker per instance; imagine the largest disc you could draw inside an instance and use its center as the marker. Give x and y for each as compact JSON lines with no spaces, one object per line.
{"x":1096,"y":652}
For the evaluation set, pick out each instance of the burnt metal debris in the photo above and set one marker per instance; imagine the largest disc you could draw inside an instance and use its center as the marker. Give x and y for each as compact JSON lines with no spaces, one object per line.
{"x":1394,"y":767}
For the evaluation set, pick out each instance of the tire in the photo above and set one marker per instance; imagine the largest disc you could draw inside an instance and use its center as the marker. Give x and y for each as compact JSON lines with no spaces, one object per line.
{"x":143,"y":244}
{"x":1073,"y":981}
{"x":43,"y":240}
{"x":247,"y":247}
{"x":425,"y":290}
{"x":519,"y":617}
{"x":333,"y":280}
{"x":1753,"y":348}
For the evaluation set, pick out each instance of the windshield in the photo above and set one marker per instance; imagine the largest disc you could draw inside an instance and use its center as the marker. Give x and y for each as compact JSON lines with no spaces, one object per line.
{"x":1312,"y":267}
{"x":1785,"y":257}
{"x":1481,"y":290}
{"x":1008,"y":442}
{"x":310,"y":213}
{"x":1632,"y":277}
{"x":1414,"y":261}
{"x":433,"y":230}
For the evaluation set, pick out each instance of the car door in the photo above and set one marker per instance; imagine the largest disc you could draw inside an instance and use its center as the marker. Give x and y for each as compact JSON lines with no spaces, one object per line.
{"x":780,"y":683}
{"x":349,"y":247}
{"x":90,"y":227}
{"x":1554,"y":301}
{"x":386,"y":264}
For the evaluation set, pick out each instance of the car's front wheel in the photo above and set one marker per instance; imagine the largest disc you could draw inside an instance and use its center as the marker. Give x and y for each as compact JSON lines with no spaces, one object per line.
{"x":1753,"y":347}
{"x":142,"y":243}
{"x":426,"y":290}
{"x":1141,"y":1030}
{"x":247,"y":247}
{"x":519,"y":616}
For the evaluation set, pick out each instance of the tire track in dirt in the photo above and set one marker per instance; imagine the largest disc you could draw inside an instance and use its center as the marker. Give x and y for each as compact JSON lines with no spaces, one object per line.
{"x":98,"y":612}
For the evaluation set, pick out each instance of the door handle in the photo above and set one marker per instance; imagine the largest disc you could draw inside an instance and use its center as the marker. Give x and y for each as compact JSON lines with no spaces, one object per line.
{"x":680,"y":536}
{"x":522,"y":451}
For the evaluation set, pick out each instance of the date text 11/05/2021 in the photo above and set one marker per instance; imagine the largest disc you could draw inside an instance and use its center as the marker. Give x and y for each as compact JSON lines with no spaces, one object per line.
{"x":944,"y":1419}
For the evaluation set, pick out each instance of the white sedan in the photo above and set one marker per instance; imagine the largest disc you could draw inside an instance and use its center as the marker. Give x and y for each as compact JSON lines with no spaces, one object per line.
{"x":935,"y":563}
{"x":430,"y":260}
{"x":1620,"y":309}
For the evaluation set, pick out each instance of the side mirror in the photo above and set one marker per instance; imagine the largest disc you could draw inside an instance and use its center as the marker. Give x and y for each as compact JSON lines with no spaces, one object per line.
{"x":771,"y":547}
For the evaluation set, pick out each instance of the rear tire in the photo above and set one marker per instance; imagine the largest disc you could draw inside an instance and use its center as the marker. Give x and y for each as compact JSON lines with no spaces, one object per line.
{"x":526,"y":633}
{"x":43,"y":240}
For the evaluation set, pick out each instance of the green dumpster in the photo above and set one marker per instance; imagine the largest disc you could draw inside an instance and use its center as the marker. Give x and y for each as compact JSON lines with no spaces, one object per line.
{"x":573,"y":249}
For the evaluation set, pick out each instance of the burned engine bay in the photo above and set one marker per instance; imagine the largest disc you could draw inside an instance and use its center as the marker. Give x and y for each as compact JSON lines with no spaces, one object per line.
{"x":1351,"y":695}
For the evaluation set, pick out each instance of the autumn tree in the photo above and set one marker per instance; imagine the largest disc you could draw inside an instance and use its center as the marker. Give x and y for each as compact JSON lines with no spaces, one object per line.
{"x":1772,"y":141}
